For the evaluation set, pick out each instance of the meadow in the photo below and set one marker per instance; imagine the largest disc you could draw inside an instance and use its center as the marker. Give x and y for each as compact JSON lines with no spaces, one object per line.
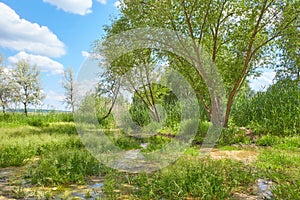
{"x":47,"y":160}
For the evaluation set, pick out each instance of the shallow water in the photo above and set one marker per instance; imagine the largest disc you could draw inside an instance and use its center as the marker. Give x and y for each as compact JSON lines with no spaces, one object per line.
{"x":264,"y":189}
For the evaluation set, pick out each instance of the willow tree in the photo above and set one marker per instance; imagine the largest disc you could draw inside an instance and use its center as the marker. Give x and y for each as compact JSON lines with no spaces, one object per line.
{"x":29,"y":91}
{"x":240,"y":36}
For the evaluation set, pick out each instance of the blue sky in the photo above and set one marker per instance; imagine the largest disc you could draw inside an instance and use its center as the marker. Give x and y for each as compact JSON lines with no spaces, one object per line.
{"x":53,"y":34}
{"x":56,"y":34}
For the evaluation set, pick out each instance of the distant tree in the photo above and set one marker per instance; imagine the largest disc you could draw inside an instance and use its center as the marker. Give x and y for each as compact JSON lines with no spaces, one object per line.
{"x":5,"y":92}
{"x":7,"y":86}
{"x":29,"y":88}
{"x":69,"y":86}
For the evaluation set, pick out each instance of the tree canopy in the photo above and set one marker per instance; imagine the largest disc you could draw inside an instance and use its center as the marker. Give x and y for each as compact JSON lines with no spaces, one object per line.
{"x":240,"y":36}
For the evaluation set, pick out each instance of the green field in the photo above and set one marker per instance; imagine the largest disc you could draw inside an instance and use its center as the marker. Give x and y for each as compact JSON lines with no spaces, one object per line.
{"x":48,"y":160}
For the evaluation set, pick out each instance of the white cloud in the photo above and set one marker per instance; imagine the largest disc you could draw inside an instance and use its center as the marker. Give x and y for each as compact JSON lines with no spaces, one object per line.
{"x":22,"y":35}
{"x":120,"y":4}
{"x":54,"y":100}
{"x":102,"y":1}
{"x":54,"y":96}
{"x":43,"y":63}
{"x":85,"y":54}
{"x":81,"y":7}
{"x":263,"y":82}
{"x":117,"y":4}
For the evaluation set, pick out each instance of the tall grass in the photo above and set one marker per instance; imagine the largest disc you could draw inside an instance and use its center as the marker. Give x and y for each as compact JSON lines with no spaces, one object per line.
{"x":197,"y":178}
{"x":65,"y":166}
{"x":19,"y":145}
{"x":275,"y":111}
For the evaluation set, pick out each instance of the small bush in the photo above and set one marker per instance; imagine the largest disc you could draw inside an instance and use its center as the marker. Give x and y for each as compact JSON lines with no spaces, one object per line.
{"x":268,"y":140}
{"x":202,"y":132}
{"x":37,"y":122}
{"x":233,"y":135}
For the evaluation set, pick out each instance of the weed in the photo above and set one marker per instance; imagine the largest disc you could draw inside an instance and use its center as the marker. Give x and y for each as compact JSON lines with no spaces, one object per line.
{"x":19,"y":193}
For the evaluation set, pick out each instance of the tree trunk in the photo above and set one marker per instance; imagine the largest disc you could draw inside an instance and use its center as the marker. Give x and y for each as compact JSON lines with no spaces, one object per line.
{"x":25,"y":109}
{"x":3,"y":109}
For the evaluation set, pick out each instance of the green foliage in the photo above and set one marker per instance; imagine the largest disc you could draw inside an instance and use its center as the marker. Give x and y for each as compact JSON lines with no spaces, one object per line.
{"x":15,"y":155}
{"x":233,"y":135}
{"x":152,"y":128}
{"x":268,"y":140}
{"x":62,"y":167}
{"x":284,"y":143}
{"x":19,"y":193}
{"x":56,"y":156}
{"x":34,"y":119}
{"x":139,"y":112}
{"x":205,"y":179}
{"x":37,"y":122}
{"x":202,"y":131}
{"x":275,"y":111}
{"x":127,"y":142}
{"x":254,"y":37}
{"x":19,"y":145}
{"x":156,"y":143}
{"x":289,"y":143}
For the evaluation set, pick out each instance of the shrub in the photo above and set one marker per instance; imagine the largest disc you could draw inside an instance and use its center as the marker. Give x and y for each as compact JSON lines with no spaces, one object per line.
{"x":37,"y":122}
{"x":268,"y":140}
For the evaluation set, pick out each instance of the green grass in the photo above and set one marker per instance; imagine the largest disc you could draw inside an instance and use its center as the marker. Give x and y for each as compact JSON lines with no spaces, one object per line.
{"x":191,"y":178}
{"x":65,"y":167}
{"x":281,"y":166}
{"x":18,"y":145}
{"x":34,"y":119}
{"x":55,"y":156}
{"x":280,"y":162}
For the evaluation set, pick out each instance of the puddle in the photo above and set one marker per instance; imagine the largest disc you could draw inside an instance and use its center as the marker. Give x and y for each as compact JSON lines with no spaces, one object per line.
{"x":96,"y":186}
{"x":12,"y":186}
{"x":264,"y":189}
{"x":92,"y":191}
